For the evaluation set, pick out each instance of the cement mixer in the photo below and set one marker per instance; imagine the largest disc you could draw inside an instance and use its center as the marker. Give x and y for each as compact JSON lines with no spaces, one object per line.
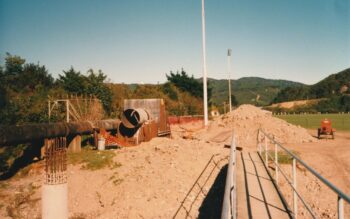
{"x":132,"y":120}
{"x":136,"y":126}
{"x":141,"y":120}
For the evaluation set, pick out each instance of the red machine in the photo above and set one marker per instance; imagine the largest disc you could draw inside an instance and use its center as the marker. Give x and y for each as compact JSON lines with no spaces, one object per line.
{"x":326,"y":129}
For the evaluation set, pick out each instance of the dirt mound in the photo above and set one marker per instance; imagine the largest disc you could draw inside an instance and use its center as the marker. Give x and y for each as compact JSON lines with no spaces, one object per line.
{"x":247,"y":119}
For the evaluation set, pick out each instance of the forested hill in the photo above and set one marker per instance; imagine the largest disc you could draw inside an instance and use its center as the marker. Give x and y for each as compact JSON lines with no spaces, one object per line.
{"x":253,"y":90}
{"x":334,"y":85}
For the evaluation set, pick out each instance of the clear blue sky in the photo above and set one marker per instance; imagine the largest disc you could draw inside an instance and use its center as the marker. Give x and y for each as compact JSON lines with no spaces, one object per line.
{"x":140,"y":41}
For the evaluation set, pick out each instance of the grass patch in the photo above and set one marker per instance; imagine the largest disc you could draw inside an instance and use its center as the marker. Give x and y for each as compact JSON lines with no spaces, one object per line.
{"x":93,"y":159}
{"x":283,"y":157}
{"x":313,"y":121}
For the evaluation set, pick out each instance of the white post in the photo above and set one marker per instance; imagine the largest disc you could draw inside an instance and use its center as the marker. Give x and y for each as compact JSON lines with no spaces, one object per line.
{"x":55,"y":201}
{"x":295,"y":200}
{"x":340,"y":208}
{"x":229,"y":78}
{"x":205,"y":95}
{"x":276,"y":164}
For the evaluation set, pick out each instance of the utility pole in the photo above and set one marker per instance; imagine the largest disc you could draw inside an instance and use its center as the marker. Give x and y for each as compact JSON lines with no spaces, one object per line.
{"x":229,"y":78}
{"x":205,"y":95}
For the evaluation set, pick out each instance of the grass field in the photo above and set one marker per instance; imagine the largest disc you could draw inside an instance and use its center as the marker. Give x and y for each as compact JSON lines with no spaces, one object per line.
{"x":313,"y":121}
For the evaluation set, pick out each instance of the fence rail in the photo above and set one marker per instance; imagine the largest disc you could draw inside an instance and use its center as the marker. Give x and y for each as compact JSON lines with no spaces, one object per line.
{"x":229,"y":207}
{"x":293,"y":183}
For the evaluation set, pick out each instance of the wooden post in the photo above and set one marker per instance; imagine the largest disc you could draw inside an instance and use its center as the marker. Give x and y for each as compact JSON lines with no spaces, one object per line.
{"x":67,"y":109}
{"x":49,"y":112}
{"x":75,"y":144}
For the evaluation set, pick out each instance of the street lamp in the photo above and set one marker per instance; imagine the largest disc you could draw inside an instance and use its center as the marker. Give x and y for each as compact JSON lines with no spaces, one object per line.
{"x":229,"y":78}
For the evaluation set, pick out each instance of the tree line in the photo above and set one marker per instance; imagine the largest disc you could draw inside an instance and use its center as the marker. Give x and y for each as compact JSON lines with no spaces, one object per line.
{"x":25,"y":88}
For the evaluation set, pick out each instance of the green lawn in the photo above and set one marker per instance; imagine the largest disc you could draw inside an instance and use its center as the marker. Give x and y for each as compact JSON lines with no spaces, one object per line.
{"x":313,"y":121}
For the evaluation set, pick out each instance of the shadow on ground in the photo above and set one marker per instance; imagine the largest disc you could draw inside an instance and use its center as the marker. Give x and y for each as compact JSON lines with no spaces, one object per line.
{"x":204,"y":199}
{"x":212,"y":204}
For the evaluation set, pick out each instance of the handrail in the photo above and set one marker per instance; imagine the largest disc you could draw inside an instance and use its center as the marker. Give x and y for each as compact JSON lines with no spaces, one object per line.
{"x":230,"y":202}
{"x":324,"y":180}
{"x":294,"y":189}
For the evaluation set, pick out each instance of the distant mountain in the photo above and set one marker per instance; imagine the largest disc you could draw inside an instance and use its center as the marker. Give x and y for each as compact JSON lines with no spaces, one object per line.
{"x":252,"y":90}
{"x":334,"y":85}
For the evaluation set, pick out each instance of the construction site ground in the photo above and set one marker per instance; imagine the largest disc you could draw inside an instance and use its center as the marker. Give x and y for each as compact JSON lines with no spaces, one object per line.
{"x":182,"y":176}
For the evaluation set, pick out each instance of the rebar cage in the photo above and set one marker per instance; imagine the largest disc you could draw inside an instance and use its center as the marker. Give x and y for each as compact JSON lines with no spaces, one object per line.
{"x":55,"y":161}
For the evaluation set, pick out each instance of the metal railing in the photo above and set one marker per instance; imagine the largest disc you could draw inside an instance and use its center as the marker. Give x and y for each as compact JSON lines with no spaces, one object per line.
{"x":230,"y":197}
{"x":293,"y":182}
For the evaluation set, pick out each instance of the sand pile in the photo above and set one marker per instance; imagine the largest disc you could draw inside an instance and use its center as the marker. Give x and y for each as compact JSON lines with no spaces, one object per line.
{"x":247,"y":119}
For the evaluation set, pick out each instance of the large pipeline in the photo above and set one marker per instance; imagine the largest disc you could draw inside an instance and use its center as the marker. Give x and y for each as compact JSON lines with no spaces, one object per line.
{"x":132,"y":119}
{"x":27,"y":133}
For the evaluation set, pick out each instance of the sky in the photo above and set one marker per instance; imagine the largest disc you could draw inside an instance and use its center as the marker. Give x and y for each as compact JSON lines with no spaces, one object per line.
{"x":139,"y":41}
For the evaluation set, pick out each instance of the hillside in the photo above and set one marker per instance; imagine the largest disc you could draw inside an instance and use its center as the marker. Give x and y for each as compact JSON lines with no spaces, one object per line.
{"x":333,"y":85}
{"x":253,"y":90}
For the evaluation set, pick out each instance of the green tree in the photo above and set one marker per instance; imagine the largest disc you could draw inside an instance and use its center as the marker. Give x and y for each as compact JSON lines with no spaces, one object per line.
{"x":13,"y":64}
{"x":96,"y":86}
{"x":188,"y":84}
{"x":24,"y":88}
{"x":35,"y":76}
{"x":73,"y":82}
{"x":94,"y":83}
{"x":234,"y":101}
{"x":170,"y":90}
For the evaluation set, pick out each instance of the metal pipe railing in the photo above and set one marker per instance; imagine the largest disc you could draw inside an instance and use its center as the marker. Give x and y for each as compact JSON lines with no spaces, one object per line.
{"x":341,"y":195}
{"x":230,"y":197}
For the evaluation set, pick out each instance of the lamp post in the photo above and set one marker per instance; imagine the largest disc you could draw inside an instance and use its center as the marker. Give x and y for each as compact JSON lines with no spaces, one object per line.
{"x":205,"y":94}
{"x":229,"y":78}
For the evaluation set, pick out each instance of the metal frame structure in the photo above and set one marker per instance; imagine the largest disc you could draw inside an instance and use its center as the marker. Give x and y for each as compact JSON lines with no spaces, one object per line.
{"x":229,"y":207}
{"x":293,"y":182}
{"x":72,"y":114}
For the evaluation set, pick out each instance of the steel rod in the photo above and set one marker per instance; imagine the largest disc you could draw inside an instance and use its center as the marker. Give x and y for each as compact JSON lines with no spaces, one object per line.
{"x":295,"y":198}
{"x":276,"y":164}
{"x":299,"y":196}
{"x":266,"y":160}
{"x":324,"y":180}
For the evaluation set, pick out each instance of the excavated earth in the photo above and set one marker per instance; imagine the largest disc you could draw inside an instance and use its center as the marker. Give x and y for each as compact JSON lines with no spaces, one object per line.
{"x":153,"y":178}
{"x":246,"y":120}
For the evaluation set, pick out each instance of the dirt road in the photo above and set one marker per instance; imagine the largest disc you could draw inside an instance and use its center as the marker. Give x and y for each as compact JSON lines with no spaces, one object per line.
{"x":331,"y":159}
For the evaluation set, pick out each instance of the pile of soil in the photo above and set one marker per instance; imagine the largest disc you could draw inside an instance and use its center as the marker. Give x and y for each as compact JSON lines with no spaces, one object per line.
{"x":246,"y":120}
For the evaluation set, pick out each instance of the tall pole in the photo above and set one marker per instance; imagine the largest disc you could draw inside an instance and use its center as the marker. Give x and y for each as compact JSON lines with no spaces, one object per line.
{"x":229,"y":78}
{"x":205,"y":95}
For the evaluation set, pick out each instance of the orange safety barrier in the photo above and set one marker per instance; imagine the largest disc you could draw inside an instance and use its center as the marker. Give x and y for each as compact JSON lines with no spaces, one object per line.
{"x":183,"y":119}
